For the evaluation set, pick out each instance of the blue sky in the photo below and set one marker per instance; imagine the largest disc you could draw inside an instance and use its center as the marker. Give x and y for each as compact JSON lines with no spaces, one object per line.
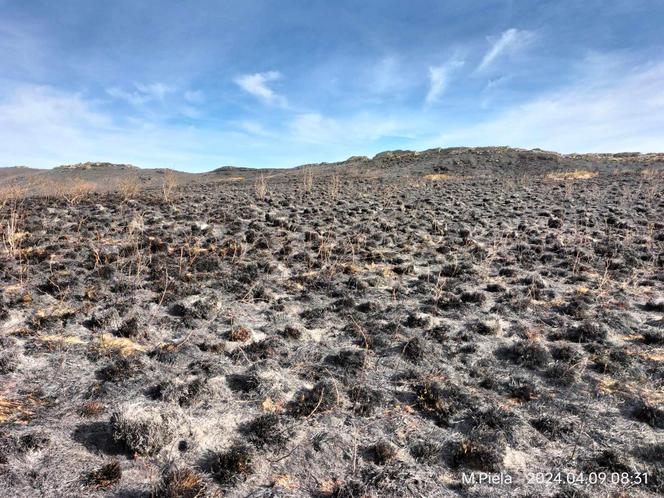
{"x":197,"y":84}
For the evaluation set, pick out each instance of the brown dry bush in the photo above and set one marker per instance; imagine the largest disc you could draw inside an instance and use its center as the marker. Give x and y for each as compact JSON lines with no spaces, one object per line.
{"x":75,"y":191}
{"x":180,"y":483}
{"x":129,"y":187}
{"x":11,"y":192}
{"x":382,"y":452}
{"x":482,"y":451}
{"x":240,"y":334}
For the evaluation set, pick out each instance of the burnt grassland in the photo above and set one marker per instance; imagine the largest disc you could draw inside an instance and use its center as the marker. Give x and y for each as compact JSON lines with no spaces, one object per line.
{"x":334,"y":335}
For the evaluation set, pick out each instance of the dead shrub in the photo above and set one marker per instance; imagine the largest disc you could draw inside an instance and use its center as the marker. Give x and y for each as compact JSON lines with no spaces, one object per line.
{"x":382,"y":452}
{"x":233,"y":466}
{"x":552,"y":427}
{"x":9,"y":362}
{"x":105,"y":476}
{"x":186,"y":394}
{"x":649,"y":414}
{"x":240,"y":334}
{"x":320,"y":398}
{"x":440,"y":403}
{"x":12,"y":199}
{"x":168,"y":185}
{"x":91,"y":409}
{"x":365,"y":400}
{"x":481,"y":451}
{"x":530,"y":354}
{"x":335,"y":187}
{"x":75,"y":191}
{"x":129,"y":187}
{"x":180,"y":483}
{"x":260,"y":187}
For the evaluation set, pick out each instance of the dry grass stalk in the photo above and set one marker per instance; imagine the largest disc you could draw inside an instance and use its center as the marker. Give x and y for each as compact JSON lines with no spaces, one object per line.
{"x":11,"y":237}
{"x":11,"y":198}
{"x":335,"y":186}
{"x":438,"y":176}
{"x":652,"y":172}
{"x":168,"y":185}
{"x":7,"y":408}
{"x":260,"y":187}
{"x":307,"y":180}
{"x":121,"y":345}
{"x":577,"y":174}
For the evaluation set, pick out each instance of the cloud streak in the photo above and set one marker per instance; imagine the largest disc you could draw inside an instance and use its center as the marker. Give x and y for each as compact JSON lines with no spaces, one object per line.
{"x":509,"y":42}
{"x":257,"y":85}
{"x":45,"y":127}
{"x":620,"y":109}
{"x":438,"y":80}
{"x":143,"y":94}
{"x":600,"y":112}
{"x":315,"y":128}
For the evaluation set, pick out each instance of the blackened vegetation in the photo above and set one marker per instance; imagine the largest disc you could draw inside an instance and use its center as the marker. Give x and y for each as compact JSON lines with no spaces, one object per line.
{"x":320,"y":398}
{"x":376,"y":333}
{"x":441,"y":403}
{"x":105,"y":476}
{"x":480,"y":451}
{"x":269,"y":430}
{"x":349,"y":363}
{"x":382,"y":452}
{"x":267,"y":348}
{"x":645,"y":412}
{"x":365,"y":400}
{"x":527,"y":354}
{"x":232,"y":466}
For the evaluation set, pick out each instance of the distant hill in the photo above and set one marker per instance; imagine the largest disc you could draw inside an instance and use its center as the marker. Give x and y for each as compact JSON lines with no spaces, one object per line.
{"x":454,"y":161}
{"x":96,"y":166}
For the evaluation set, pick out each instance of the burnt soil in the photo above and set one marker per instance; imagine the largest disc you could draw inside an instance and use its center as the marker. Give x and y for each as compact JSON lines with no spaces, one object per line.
{"x":376,"y":338}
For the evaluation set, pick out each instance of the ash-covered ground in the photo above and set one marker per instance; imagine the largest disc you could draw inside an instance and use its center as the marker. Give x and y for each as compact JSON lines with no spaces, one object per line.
{"x":338,"y":333}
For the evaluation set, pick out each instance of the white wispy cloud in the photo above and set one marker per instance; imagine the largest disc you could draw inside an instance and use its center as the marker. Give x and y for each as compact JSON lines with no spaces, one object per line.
{"x":41,"y":126}
{"x":131,"y":97}
{"x":438,"y":80}
{"x":510,"y":41}
{"x":316,"y":128}
{"x":38,"y":122}
{"x":611,"y":111}
{"x":257,"y":85}
{"x":142,"y":93}
{"x":155,"y":91}
{"x":45,"y":127}
{"x":614,"y":104}
{"x":386,"y":76}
